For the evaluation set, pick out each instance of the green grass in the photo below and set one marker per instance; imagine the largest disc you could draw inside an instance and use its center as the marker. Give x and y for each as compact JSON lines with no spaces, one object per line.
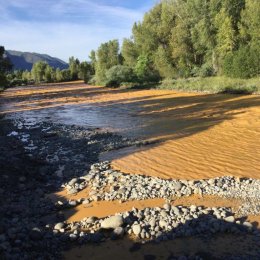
{"x":213,"y":85}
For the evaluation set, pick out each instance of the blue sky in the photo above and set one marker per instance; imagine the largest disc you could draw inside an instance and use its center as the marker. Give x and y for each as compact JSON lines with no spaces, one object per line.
{"x":63,"y":28}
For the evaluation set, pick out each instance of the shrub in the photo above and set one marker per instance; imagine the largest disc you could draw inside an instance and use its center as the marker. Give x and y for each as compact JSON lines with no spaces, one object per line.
{"x":206,"y":70}
{"x":118,"y":74}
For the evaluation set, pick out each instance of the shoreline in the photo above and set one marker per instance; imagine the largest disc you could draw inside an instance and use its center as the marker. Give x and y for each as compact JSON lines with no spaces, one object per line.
{"x":66,"y":236}
{"x":43,"y":158}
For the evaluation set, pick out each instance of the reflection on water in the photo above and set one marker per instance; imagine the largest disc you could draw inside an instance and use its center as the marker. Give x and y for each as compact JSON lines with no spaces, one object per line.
{"x":199,"y":135}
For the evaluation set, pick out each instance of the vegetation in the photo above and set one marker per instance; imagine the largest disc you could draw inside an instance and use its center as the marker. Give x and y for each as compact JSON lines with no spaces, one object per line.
{"x":218,"y":84}
{"x":183,"y":40}
{"x":5,"y":66}
{"x":182,"y":44}
{"x":42,"y":72}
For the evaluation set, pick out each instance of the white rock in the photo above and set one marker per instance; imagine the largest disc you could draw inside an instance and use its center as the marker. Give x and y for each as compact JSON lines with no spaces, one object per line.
{"x":112,"y":222}
{"x":59,"y":226}
{"x":230,"y":219}
{"x":136,"y":229}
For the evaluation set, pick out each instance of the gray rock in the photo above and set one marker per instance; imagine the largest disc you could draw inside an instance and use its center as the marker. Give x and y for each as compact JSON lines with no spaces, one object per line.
{"x":118,"y":232}
{"x":112,"y":222}
{"x":177,"y":186}
{"x":152,"y":222}
{"x":72,"y":191}
{"x":73,"y":181}
{"x":59,"y":226}
{"x":230,"y":219}
{"x":167,"y":206}
{"x":73,"y":203}
{"x":248,"y":224}
{"x":163,"y":224}
{"x":91,"y":220}
{"x":136,"y":229}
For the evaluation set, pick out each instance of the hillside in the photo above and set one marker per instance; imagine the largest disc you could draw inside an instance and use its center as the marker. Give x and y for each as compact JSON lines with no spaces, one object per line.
{"x":25,"y":60}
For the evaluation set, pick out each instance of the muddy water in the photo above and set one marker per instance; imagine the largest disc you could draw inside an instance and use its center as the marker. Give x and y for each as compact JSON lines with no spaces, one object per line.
{"x":198,"y":135}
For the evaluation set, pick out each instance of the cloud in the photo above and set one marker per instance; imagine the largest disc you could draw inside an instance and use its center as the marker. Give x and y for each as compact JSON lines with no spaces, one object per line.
{"x":63,"y":28}
{"x":60,"y":40}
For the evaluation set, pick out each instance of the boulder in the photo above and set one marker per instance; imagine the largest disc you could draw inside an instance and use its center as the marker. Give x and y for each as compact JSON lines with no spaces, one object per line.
{"x":112,"y":222}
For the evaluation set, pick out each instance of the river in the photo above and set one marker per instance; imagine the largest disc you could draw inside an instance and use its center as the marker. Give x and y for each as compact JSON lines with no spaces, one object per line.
{"x":196,"y":135}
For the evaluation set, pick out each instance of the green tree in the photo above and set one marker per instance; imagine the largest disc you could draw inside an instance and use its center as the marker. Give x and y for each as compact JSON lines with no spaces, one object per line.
{"x":5,"y":67}
{"x":85,"y":71}
{"x":58,"y":75}
{"x":93,"y":60}
{"x":49,"y":75}
{"x":74,"y":68}
{"x":250,"y":24}
{"x":107,"y":57}
{"x":38,"y":71}
{"x":144,"y":71}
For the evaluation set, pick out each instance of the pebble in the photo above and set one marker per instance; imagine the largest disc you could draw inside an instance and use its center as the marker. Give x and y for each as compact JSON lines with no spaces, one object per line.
{"x":230,"y":219}
{"x":136,"y":229}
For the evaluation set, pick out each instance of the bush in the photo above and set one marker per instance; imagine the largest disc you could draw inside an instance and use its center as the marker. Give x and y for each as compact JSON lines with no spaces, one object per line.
{"x":243,"y":63}
{"x":118,"y":74}
{"x":206,"y":70}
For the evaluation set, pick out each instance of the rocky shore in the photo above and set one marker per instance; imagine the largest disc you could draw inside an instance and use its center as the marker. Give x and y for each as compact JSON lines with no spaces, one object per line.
{"x":39,"y":159}
{"x":35,"y":160}
{"x":160,"y":224}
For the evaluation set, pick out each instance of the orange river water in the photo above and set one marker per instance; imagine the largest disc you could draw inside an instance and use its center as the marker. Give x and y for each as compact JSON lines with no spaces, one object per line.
{"x":197,"y":135}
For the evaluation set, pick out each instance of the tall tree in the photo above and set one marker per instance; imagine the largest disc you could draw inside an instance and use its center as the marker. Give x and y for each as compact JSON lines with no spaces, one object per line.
{"x":74,"y":68}
{"x":38,"y":71}
{"x":107,"y":57}
{"x":5,"y":66}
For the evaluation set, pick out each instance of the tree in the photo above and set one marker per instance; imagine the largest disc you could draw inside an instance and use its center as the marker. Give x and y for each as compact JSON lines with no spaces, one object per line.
{"x":5,"y":66}
{"x":74,"y":68}
{"x":38,"y":71}
{"x":49,"y":74}
{"x":184,"y":38}
{"x":93,"y":60}
{"x":144,"y":71}
{"x":250,"y":23}
{"x":107,"y":57}
{"x":129,"y":52}
{"x":85,"y":71}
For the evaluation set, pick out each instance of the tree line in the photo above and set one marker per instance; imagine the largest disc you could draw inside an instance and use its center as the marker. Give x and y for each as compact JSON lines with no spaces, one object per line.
{"x":185,"y":38}
{"x":42,"y":72}
{"x":175,"y":39}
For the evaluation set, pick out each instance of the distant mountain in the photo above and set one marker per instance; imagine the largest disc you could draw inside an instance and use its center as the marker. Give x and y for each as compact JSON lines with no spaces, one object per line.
{"x":25,"y":60}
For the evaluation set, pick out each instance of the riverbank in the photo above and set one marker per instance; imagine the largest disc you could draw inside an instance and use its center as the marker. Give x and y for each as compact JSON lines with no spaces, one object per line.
{"x":36,"y":225}
{"x":35,"y":160}
{"x":62,"y":194}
